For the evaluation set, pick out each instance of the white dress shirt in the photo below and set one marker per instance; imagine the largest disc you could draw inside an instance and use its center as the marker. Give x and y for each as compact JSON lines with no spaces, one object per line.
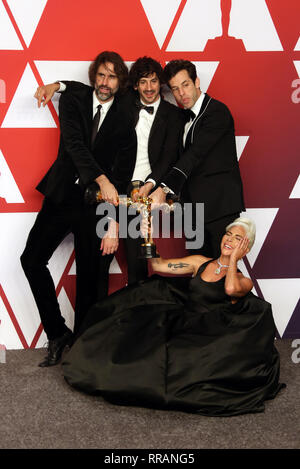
{"x":103,"y":111}
{"x":196,"y":109}
{"x":104,"y":108}
{"x":142,"y":165}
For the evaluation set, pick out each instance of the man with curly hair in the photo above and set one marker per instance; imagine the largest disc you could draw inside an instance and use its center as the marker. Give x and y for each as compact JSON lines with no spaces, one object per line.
{"x":159,"y":127}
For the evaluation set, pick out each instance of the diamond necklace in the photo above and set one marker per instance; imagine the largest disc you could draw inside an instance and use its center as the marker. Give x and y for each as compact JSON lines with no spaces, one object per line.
{"x":218,"y":269}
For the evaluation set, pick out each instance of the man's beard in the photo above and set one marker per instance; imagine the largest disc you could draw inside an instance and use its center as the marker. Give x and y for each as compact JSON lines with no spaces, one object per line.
{"x":109,"y":93}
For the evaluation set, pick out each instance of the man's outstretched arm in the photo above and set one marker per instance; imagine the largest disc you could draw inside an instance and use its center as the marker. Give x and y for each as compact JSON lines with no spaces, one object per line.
{"x":45,"y":93}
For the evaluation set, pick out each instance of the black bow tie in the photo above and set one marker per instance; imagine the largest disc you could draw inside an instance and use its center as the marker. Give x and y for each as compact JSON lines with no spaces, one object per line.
{"x":140,"y":106}
{"x":189,"y":114}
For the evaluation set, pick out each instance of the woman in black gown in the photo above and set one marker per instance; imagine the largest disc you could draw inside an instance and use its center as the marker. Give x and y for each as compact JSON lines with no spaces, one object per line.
{"x":203,"y":345}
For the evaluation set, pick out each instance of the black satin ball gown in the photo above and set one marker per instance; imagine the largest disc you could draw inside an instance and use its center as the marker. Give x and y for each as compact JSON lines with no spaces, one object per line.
{"x":179,"y":344}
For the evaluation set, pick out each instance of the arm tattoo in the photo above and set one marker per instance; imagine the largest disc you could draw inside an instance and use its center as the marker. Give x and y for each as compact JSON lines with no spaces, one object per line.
{"x":180,"y":265}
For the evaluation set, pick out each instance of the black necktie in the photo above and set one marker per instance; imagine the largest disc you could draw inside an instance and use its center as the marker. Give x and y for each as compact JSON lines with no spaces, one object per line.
{"x":189,"y":114}
{"x":140,"y":106}
{"x":96,"y":123}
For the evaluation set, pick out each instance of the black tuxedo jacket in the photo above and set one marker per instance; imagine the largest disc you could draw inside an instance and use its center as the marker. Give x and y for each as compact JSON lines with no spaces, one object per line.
{"x":113,"y":153}
{"x":208,"y":170}
{"x":165,"y":139}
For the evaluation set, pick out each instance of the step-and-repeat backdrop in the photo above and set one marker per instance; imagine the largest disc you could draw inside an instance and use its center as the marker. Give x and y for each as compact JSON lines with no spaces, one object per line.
{"x":247,"y":53}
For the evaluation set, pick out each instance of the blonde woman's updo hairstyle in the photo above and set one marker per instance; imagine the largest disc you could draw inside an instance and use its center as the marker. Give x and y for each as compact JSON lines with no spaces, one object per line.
{"x":249,"y":227}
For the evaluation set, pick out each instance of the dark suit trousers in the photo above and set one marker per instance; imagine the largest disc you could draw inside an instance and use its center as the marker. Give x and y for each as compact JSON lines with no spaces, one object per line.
{"x":137,"y":268}
{"x":52,"y":225}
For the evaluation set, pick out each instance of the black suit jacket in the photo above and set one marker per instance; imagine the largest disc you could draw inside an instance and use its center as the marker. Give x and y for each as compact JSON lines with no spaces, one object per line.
{"x":113,"y":153}
{"x":165,"y":139}
{"x":208,"y":170}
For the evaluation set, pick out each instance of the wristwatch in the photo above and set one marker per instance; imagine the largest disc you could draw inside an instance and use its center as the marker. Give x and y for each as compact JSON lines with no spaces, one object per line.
{"x":166,"y":189}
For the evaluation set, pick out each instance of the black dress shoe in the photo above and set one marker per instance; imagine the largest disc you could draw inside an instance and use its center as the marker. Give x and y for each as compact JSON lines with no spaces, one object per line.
{"x":56,"y":348}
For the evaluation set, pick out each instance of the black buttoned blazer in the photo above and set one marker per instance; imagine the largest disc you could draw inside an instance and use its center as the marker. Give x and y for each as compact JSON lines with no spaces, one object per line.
{"x":207,"y":170}
{"x":112,"y":154}
{"x":165,"y":138}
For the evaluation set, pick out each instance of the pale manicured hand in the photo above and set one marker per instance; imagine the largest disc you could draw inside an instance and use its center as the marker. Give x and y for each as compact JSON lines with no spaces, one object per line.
{"x":240,"y":250}
{"x":44,"y":93}
{"x":145,"y":189}
{"x":108,"y":191}
{"x":110,"y":241}
{"x":158,"y":197}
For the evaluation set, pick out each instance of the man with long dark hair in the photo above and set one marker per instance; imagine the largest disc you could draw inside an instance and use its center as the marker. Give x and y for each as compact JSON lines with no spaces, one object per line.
{"x":97,"y":144}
